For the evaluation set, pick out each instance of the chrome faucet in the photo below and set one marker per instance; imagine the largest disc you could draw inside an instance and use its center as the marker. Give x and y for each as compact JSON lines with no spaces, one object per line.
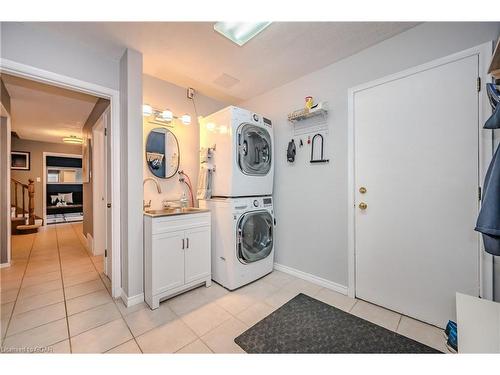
{"x":156,"y":183}
{"x":148,"y":205}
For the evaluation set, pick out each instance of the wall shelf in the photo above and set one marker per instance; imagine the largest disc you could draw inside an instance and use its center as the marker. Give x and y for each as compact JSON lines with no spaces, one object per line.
{"x":303,"y":114}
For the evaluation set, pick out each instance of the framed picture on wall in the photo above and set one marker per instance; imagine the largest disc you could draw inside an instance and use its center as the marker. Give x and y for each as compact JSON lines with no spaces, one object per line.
{"x":20,"y":160}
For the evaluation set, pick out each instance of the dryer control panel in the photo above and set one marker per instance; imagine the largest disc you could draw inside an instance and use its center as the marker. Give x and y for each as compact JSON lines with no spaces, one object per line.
{"x":267,"y":201}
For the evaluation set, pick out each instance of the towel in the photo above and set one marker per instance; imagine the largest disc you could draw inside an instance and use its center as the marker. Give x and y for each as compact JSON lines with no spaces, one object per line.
{"x":488,"y":222}
{"x":204,"y":190}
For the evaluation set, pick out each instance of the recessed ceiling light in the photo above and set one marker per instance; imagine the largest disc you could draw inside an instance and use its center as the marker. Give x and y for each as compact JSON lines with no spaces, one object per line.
{"x":240,"y":32}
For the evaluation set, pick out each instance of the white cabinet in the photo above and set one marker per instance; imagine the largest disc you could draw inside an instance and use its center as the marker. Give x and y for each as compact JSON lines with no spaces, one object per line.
{"x":176,"y":255}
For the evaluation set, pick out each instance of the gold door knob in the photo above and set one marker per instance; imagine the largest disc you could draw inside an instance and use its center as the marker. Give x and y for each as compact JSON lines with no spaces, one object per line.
{"x":363,"y":206}
{"x":362,"y":190}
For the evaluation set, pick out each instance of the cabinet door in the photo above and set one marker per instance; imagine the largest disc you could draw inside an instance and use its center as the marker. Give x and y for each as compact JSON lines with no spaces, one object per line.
{"x":168,"y":261}
{"x":197,"y":254}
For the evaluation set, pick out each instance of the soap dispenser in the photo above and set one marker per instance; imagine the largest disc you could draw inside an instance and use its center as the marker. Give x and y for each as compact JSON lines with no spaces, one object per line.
{"x":184,"y":200}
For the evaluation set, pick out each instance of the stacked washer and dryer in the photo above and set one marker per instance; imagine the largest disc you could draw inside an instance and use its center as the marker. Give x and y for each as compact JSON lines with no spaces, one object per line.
{"x":240,"y":145}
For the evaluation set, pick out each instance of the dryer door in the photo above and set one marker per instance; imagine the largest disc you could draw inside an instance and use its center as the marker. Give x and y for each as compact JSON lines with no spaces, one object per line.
{"x":254,"y":150}
{"x":255,"y":236}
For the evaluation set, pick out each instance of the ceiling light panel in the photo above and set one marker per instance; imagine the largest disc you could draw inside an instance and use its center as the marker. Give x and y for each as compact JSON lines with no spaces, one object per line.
{"x":240,"y":32}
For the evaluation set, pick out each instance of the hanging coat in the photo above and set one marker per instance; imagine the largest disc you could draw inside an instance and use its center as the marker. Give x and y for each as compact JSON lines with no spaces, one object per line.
{"x":488,"y":222}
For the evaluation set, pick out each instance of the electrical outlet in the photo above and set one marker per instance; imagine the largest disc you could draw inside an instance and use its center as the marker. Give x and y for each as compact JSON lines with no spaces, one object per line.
{"x":190,"y":93}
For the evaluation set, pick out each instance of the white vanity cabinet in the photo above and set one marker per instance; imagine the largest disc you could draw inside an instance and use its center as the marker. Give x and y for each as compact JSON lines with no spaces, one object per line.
{"x":176,"y":254}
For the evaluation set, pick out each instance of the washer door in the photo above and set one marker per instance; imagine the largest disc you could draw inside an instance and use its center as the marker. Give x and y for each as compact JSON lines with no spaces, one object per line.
{"x":254,"y":150}
{"x":255,"y":236}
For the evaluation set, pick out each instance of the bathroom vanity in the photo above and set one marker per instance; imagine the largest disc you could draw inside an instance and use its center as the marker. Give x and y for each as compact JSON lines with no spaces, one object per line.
{"x":176,"y":252}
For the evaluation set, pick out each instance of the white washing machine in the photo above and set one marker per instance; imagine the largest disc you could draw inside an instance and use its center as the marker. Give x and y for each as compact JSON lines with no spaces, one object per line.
{"x":243,"y":154}
{"x":242,"y":239}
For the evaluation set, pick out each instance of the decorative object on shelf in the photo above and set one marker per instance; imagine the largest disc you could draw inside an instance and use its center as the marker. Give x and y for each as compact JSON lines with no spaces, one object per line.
{"x":309,"y":102}
{"x":321,"y":109}
{"x":291,"y":151}
{"x":20,"y":160}
{"x":163,"y":117}
{"x":321,"y":159}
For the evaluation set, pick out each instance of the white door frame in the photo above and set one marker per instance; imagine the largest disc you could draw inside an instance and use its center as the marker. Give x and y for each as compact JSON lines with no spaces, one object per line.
{"x":55,"y":79}
{"x":6,"y":114}
{"x":484,"y":52}
{"x":44,"y":178}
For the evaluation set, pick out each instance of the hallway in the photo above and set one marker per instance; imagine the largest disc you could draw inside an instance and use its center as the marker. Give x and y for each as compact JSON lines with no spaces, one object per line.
{"x":51,"y":282}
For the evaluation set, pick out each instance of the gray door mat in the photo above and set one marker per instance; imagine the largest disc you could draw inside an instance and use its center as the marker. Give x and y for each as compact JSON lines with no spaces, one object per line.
{"x":306,"y":325}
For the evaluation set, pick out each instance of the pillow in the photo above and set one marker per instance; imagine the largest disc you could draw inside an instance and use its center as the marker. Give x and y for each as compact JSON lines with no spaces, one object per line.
{"x":68,"y":198}
{"x":54,"y":199}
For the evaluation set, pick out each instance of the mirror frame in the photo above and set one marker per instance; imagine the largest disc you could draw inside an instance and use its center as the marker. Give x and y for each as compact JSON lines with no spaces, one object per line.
{"x":178,"y":152}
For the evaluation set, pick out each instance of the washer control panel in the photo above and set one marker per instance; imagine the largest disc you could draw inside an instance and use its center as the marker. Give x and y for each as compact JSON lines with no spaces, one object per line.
{"x":256,"y":203}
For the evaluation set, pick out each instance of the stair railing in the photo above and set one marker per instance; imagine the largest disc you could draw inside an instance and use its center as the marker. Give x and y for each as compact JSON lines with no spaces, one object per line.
{"x":25,"y":191}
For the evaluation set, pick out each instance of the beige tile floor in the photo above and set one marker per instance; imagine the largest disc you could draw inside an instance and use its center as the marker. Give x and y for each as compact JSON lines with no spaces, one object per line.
{"x":56,"y":296}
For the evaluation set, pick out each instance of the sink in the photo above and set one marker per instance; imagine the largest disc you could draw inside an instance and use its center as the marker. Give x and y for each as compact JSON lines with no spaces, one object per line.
{"x":174,"y":211}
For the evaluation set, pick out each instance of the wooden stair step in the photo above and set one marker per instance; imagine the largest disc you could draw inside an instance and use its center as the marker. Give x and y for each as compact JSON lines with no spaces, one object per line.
{"x":28,"y":227}
{"x":17,"y":218}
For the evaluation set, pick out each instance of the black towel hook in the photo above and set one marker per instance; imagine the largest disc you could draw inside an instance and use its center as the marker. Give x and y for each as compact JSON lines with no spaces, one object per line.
{"x":312,"y":150}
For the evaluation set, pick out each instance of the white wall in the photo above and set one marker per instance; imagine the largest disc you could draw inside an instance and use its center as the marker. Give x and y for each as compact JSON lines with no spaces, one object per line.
{"x":161,"y":94}
{"x":311,"y":200}
{"x":36,"y":46}
{"x":131,"y":173}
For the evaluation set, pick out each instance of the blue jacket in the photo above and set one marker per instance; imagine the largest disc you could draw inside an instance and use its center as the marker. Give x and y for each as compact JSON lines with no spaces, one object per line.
{"x":488,"y":222}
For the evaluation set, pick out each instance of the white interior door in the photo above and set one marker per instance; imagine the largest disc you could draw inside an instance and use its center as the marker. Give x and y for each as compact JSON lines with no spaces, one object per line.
{"x":98,"y":188}
{"x":108,"y":194}
{"x":416,"y":153}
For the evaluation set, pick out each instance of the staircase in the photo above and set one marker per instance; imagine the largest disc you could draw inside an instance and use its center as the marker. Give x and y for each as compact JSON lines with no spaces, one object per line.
{"x":23,"y":216}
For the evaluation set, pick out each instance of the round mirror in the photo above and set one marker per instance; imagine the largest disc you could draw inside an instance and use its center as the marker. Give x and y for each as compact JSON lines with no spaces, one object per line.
{"x":162,"y":153}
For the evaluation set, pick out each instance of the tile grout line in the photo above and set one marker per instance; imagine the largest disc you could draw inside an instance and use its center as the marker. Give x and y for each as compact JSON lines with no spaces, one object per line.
{"x":64,"y":293}
{"x":91,"y":261}
{"x":112,"y":299}
{"x":399,"y":322}
{"x":4,"y":336}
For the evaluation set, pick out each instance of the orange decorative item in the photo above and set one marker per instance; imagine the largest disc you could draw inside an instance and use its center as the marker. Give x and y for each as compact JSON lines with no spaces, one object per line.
{"x":309,"y":102}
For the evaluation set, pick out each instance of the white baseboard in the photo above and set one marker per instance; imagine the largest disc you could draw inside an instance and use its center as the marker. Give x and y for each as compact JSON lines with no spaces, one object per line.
{"x":131,"y":301}
{"x":4,"y":265}
{"x":311,"y":278}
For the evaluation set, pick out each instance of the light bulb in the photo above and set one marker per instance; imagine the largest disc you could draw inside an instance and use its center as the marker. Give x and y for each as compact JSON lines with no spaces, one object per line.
{"x":147,"y":110}
{"x":167,"y":115}
{"x":186,"y":119}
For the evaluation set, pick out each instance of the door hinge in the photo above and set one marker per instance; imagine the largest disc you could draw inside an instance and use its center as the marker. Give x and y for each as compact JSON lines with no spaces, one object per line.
{"x":105,"y":253}
{"x":479,"y":193}
{"x":105,"y":131}
{"x":478,"y":84}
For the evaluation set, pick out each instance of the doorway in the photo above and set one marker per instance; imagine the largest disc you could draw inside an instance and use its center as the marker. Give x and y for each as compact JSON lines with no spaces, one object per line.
{"x":415,"y":172}
{"x":101,"y":192}
{"x":53,"y":79}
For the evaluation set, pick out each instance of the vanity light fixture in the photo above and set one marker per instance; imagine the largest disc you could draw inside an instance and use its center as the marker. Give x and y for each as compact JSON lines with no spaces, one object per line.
{"x":240,"y":32}
{"x":167,"y":115}
{"x":73,"y":139}
{"x":163,"y":117}
{"x":186,"y":119}
{"x":147,"y":110}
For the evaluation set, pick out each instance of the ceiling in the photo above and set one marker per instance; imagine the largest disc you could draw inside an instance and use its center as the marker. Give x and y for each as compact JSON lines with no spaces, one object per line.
{"x":192,"y":54}
{"x":46,"y":113}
